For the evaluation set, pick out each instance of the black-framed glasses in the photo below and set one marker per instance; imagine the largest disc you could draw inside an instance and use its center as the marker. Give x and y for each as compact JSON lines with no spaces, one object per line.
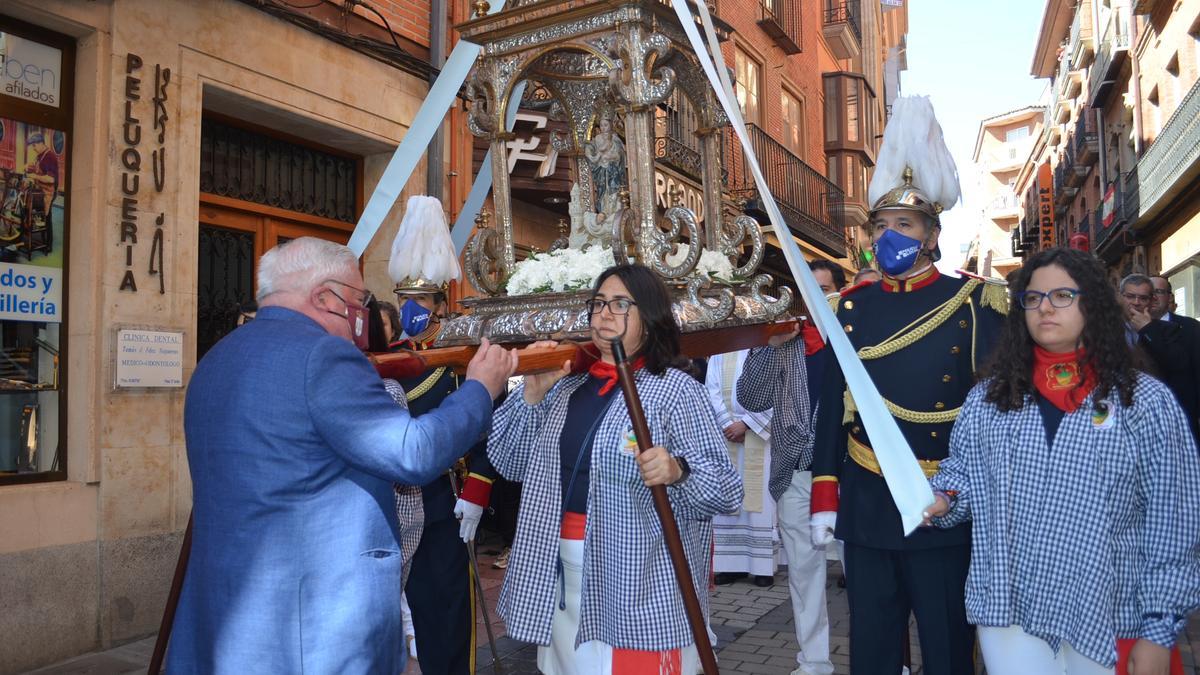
{"x":1059,"y":297}
{"x":617,"y":306}
{"x":365,"y":296}
{"x":1136,"y":297}
{"x":1162,"y":291}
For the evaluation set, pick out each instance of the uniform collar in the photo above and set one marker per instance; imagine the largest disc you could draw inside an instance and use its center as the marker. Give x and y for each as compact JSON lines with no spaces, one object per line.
{"x":909,"y":284}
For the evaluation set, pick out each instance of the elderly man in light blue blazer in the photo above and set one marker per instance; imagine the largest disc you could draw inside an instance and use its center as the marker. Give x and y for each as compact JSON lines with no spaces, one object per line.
{"x":293,"y":445}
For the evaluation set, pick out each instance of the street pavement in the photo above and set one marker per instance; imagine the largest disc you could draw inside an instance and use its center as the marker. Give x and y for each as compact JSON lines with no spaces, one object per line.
{"x":754,"y":628}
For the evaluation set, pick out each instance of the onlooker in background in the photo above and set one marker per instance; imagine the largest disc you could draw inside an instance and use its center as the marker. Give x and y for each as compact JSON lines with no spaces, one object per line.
{"x":391,"y":324}
{"x":1135,"y":293}
{"x":1179,"y":364}
{"x":744,"y":542}
{"x":830,"y":276}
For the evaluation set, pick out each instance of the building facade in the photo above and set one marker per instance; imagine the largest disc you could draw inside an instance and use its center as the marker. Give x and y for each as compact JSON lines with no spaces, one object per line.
{"x":1003,"y":145}
{"x":151,"y":150}
{"x":1119,"y":155}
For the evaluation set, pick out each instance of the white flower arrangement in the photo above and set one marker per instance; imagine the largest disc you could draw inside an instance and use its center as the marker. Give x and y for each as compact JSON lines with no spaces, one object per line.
{"x":713,"y":264}
{"x":560,"y":271}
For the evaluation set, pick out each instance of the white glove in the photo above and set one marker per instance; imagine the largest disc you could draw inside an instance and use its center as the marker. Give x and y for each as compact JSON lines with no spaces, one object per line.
{"x":821,"y":524}
{"x":468,"y":515}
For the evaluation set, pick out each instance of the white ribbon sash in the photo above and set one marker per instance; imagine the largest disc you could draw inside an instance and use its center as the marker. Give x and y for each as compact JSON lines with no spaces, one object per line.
{"x":905,"y":480}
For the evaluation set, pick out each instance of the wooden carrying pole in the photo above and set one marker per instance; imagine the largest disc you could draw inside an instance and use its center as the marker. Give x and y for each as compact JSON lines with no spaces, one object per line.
{"x":662,"y":505}
{"x":401,"y":365}
{"x":164,"y":629}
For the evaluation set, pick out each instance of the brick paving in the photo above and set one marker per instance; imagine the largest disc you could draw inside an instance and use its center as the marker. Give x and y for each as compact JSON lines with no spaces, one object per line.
{"x":754,"y":629}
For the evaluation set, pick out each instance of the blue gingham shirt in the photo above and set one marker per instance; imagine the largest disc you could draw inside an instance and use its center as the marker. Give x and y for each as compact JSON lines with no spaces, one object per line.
{"x":777,"y":378}
{"x":410,"y":508}
{"x":630,"y":597}
{"x":1089,"y":540}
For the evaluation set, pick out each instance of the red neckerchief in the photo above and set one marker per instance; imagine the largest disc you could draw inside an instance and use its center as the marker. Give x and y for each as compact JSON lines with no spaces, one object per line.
{"x":1057,"y":377}
{"x":812,"y":339}
{"x":608,"y":372}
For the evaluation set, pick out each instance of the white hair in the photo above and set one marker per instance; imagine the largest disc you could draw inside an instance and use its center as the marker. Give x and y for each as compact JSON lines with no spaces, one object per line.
{"x":301,"y":264}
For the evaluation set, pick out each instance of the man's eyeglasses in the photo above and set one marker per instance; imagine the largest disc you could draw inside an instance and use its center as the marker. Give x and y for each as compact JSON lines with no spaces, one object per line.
{"x":1162,"y":291}
{"x":1135,"y":297}
{"x":617,"y":306}
{"x":1059,"y":297}
{"x":364,"y":297}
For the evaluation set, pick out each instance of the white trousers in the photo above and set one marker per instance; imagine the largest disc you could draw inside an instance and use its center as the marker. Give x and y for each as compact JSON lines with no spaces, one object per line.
{"x":806,"y":576}
{"x":593,"y":657}
{"x":1012,"y":651}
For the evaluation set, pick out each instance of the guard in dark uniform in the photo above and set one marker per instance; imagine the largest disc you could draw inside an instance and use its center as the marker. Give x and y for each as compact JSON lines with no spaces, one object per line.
{"x":440,"y":588}
{"x":921,"y":336}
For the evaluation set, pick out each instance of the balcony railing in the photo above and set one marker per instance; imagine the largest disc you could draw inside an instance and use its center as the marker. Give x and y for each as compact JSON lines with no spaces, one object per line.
{"x":1080,"y":44}
{"x":1173,"y":153}
{"x":675,"y":142}
{"x":1064,"y":192}
{"x":1111,"y":50}
{"x":1003,"y":204}
{"x":780,"y":19}
{"x":1067,"y":84}
{"x":811,"y":204}
{"x":841,"y":28}
{"x":1050,"y":123}
{"x":1086,"y":142}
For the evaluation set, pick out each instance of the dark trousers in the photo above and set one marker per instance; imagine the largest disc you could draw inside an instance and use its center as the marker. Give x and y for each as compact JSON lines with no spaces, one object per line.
{"x":884,"y":586}
{"x":440,"y":596}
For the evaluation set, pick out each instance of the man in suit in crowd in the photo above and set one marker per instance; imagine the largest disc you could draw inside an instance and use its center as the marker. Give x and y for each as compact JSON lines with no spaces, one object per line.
{"x":1181,"y":375}
{"x":293,"y":445}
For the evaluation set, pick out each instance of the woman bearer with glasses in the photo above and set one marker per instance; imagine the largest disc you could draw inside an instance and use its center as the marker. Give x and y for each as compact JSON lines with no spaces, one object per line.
{"x":589,"y":566}
{"x":1081,"y":478}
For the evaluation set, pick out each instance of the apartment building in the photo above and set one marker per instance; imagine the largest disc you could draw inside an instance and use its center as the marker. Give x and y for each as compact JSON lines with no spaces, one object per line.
{"x":1002,"y":146}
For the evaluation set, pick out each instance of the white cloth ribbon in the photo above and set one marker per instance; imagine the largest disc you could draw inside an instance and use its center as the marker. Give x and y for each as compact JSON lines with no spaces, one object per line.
{"x":412,"y":147}
{"x":907,"y":483}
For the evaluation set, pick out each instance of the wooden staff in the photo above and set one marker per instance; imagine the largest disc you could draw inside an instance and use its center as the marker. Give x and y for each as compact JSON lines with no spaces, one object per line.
{"x":168,"y":619}
{"x":662,"y":505}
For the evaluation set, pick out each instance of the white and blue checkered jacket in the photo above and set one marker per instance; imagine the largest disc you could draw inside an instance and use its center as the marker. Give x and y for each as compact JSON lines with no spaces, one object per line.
{"x":777,"y":378}
{"x":1093,"y":538}
{"x":630,"y":598}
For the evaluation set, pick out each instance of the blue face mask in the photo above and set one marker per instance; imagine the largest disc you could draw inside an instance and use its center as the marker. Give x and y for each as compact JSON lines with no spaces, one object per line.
{"x":414,"y":318}
{"x":896,"y":252}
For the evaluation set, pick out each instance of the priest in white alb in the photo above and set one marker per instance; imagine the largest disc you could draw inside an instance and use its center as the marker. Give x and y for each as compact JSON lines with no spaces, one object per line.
{"x":746,"y":543}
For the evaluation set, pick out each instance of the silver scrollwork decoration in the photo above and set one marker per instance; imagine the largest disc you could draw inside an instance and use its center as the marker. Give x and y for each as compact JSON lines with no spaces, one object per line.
{"x":710,"y":314}
{"x":641,"y":79}
{"x":662,"y":243}
{"x":485,"y":261}
{"x":775,"y":306}
{"x":734,"y":236}
{"x":626,"y":231}
{"x":481,"y":119}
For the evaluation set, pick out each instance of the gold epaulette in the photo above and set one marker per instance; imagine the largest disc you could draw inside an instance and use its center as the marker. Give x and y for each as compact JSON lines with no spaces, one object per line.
{"x":995,"y":291}
{"x":996,"y":297}
{"x":834,"y":301}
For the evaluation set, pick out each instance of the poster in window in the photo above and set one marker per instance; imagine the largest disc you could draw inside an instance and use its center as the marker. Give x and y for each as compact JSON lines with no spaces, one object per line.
{"x":33,"y":173}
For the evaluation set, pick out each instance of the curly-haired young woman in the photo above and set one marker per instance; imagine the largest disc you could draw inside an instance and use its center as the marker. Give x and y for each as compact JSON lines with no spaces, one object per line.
{"x":1082,"y":481}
